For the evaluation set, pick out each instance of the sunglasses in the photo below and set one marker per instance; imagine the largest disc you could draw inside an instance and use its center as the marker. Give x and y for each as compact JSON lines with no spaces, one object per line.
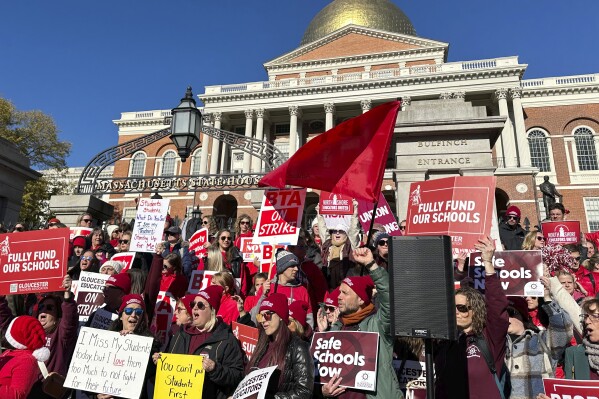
{"x":205,"y":222}
{"x":331,"y":232}
{"x":199,"y":304}
{"x":123,"y":241}
{"x":171,"y":234}
{"x":45,"y":308}
{"x":383,"y":243}
{"x":577,"y":258}
{"x":329,"y":309}
{"x":540,"y":238}
{"x":266,"y":316}
{"x":86,"y":220}
{"x":244,"y":222}
{"x":87,"y":257}
{"x":225,"y":238}
{"x":138,"y":311}
{"x":52,"y":224}
{"x":463,"y":308}
{"x":402,"y":227}
{"x":513,"y":218}
{"x":108,"y":288}
{"x":19,"y":229}
{"x":165,"y":267}
{"x":513,"y":313}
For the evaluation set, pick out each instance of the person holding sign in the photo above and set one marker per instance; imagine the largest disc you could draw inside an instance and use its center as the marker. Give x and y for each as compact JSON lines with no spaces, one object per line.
{"x":277,"y":346}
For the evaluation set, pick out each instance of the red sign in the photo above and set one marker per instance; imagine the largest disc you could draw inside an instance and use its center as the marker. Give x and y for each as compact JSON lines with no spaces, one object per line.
{"x":350,"y":354}
{"x":126,"y":258}
{"x":163,"y":315}
{"x":249,"y":249}
{"x":280,"y":216}
{"x":519,"y":271}
{"x":335,"y":204}
{"x":461,"y":207}
{"x":561,"y":233}
{"x":33,"y":261}
{"x":197,"y":241}
{"x":200,"y":279}
{"x":571,"y":389}
{"x":384,"y":216}
{"x":79,"y":231}
{"x":266,"y":257}
{"x":247,"y":336}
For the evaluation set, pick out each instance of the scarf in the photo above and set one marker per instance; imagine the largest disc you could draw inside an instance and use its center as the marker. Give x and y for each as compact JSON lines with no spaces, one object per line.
{"x":592,"y":351}
{"x":336,"y":251}
{"x":358,"y":316}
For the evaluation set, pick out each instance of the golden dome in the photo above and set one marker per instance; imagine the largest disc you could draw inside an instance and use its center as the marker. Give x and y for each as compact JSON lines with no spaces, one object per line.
{"x":376,"y":14}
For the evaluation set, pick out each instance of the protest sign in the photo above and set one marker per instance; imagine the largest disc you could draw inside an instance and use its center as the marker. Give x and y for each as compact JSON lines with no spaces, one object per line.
{"x":79,"y":231}
{"x":164,"y":311}
{"x":519,"y":271}
{"x":332,"y":221}
{"x":384,"y":216}
{"x":254,"y":384}
{"x":461,"y":207}
{"x":247,"y":336}
{"x":179,"y":376}
{"x":109,"y":363}
{"x":413,"y":372}
{"x":200,"y":279}
{"x":125,"y":257}
{"x":561,"y":233}
{"x":197,"y":241}
{"x":89,"y":293}
{"x":350,"y":354}
{"x":571,"y":389}
{"x":103,"y":319}
{"x":249,"y":249}
{"x":33,"y":261}
{"x":280,"y":216}
{"x":266,"y":256}
{"x":335,"y":204}
{"x":149,"y":224}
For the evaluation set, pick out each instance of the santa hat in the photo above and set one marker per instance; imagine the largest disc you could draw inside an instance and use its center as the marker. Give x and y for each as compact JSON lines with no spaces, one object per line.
{"x":277,"y":303}
{"x":132,"y":299}
{"x":212,"y":294}
{"x":299,"y":311}
{"x":186,"y":301}
{"x":332,"y":298}
{"x":362,"y":286}
{"x":121,"y":280}
{"x":79,"y":241}
{"x":513,"y":211}
{"x":27,"y":333}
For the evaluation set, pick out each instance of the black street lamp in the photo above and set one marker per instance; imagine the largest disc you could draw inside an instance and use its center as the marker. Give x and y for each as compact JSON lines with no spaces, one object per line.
{"x":186,"y":125}
{"x":156,"y":196}
{"x":196,"y":213}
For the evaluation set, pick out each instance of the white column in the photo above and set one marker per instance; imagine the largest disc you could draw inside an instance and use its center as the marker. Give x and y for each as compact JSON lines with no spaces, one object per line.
{"x":257,"y":162}
{"x":214,"y":154}
{"x":366,"y":105}
{"x":521,"y":139}
{"x":249,"y":120}
{"x":509,"y":142}
{"x":329,"y":109}
{"x":205,"y":139}
{"x":294,"y":112}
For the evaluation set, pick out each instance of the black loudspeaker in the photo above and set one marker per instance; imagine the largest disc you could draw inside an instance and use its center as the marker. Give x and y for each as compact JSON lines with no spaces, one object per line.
{"x":422,"y":288}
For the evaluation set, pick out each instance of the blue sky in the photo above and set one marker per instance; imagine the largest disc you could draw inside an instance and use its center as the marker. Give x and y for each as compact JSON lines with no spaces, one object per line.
{"x":85,"y":62}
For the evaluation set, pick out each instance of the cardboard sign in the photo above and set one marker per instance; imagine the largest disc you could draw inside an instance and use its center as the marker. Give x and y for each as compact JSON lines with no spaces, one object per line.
{"x":33,"y":261}
{"x":571,"y":389}
{"x":351,"y":354}
{"x":383,"y":216}
{"x":103,"y":319}
{"x":149,"y":224}
{"x":164,"y":311}
{"x":335,"y":204}
{"x":109,"y":363}
{"x":520,"y":272}
{"x":249,"y":249}
{"x":280,"y":216}
{"x":200,"y":279}
{"x":461,"y":207}
{"x":79,"y":231}
{"x":197,"y":241}
{"x":179,"y":376}
{"x":89,"y":294}
{"x":247,"y":336}
{"x":561,"y":233}
{"x":125,"y":257}
{"x":254,"y":384}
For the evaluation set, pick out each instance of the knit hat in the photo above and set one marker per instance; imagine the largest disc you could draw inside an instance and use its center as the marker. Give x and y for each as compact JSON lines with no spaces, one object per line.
{"x":186,"y":301}
{"x":26,"y":332}
{"x":520,"y":305}
{"x":341,"y":226}
{"x":332,"y":298}
{"x":277,"y":303}
{"x":314,"y":222}
{"x":212,"y":294}
{"x":285,"y":260}
{"x":513,"y":211}
{"x":117,"y":266}
{"x":379,"y":235}
{"x":173,"y":230}
{"x":53,"y":220}
{"x":121,"y":280}
{"x":79,"y":242}
{"x":131,"y":299}
{"x":362,"y":286}
{"x":299,"y":311}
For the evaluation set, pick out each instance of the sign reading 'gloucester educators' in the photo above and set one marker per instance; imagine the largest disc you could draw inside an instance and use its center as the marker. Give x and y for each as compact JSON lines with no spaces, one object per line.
{"x":254,"y":385}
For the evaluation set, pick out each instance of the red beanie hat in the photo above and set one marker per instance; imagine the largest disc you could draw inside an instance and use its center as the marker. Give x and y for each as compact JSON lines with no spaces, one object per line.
{"x":332,"y":298}
{"x":79,"y":242}
{"x":27,"y":333}
{"x":299,"y":311}
{"x":513,"y":211}
{"x":130,"y":299}
{"x":277,"y":303}
{"x":122,"y":281}
{"x":212,"y":294}
{"x":186,"y":301}
{"x":362,"y":286}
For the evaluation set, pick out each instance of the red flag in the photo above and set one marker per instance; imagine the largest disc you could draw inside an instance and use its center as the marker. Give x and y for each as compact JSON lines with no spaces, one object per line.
{"x":348,"y":159}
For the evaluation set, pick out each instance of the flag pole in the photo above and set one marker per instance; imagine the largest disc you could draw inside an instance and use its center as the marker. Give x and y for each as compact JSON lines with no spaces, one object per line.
{"x":370,"y":231}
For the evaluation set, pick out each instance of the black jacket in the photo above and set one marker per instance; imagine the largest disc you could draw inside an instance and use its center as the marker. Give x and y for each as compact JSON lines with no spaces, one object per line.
{"x":223,"y":348}
{"x":511,"y":239}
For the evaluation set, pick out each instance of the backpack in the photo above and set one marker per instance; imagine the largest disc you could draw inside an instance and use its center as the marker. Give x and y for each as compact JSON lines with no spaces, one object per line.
{"x":504,"y":384}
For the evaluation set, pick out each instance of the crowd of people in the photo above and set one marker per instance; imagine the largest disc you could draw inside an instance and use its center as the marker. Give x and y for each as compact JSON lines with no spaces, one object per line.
{"x":334,"y":278}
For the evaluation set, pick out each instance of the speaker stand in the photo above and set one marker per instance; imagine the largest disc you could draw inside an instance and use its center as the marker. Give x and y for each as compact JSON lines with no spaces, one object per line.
{"x":430,"y":367}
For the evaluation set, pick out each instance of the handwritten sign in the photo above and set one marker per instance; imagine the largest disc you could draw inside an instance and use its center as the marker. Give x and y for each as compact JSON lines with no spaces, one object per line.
{"x":89,"y":293}
{"x":149,"y":224}
{"x":197,"y":241}
{"x":125,"y":257}
{"x":103,"y":319}
{"x":280,"y":216}
{"x":247,"y":336}
{"x":109,"y":363}
{"x":179,"y":376}
{"x":254,"y":384}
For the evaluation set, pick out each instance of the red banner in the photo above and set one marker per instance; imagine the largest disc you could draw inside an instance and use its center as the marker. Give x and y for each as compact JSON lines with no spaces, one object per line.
{"x":197,"y":241}
{"x":571,"y":389}
{"x":461,"y":207}
{"x":79,"y":231}
{"x":280,"y":216}
{"x":335,"y":204}
{"x":33,"y":261}
{"x":247,"y":336}
{"x":350,"y":354}
{"x":125,"y":257}
{"x":384,"y":216}
{"x":561,"y":233}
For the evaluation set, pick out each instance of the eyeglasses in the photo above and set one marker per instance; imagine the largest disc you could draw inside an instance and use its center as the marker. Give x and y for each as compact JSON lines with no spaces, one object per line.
{"x":540,"y":238}
{"x":138,"y":311}
{"x":462,"y":308}
{"x":199,"y":304}
{"x":86,"y":220}
{"x":225,"y":238}
{"x":123,"y":241}
{"x":402,"y":227}
{"x":329,"y":309}
{"x":383,"y":243}
{"x":45,"y":308}
{"x":52,"y":224}
{"x":266,"y":316}
{"x":331,"y":232}
{"x":87,"y":257}
{"x":594,"y":317}
{"x":242,"y":222}
{"x":19,"y":229}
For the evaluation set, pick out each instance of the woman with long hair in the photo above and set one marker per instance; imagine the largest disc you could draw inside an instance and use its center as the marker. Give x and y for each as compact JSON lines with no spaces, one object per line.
{"x":533,"y":240}
{"x":243,"y":228}
{"x":228,"y":305}
{"x":277,"y":346}
{"x":231,"y":256}
{"x":214,"y":260}
{"x":208,"y":222}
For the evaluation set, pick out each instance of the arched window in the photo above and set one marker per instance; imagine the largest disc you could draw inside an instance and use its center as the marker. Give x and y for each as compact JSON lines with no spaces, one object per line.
{"x":138,"y":165}
{"x":196,"y":160}
{"x":585,"y":149}
{"x":539,"y":153}
{"x":168,"y":163}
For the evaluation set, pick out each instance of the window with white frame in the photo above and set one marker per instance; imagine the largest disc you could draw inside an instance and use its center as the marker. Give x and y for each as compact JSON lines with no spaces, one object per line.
{"x":539,"y":152}
{"x":138,"y":165}
{"x":129,"y":214}
{"x":591,"y":207}
{"x":586,"y":151}
{"x":169,"y":160}
{"x":196,"y":160}
{"x":282,"y":128}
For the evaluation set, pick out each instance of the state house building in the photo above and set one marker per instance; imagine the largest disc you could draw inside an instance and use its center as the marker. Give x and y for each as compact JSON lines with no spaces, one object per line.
{"x":472,"y":117}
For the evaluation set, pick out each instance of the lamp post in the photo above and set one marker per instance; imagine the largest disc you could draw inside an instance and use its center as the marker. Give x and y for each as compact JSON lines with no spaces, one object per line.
{"x":196,"y":213}
{"x":186,"y":125}
{"x":156,"y":196}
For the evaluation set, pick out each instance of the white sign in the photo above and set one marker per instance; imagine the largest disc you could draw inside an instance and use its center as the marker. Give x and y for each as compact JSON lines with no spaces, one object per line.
{"x":280,"y":216}
{"x":89,"y":296}
{"x":249,"y":249}
{"x":149,"y":224}
{"x":200,"y":280}
{"x":254,"y":383}
{"x":109,"y":363}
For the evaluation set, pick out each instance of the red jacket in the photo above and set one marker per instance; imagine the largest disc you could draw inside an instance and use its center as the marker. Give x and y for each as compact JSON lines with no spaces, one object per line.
{"x":18,"y":372}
